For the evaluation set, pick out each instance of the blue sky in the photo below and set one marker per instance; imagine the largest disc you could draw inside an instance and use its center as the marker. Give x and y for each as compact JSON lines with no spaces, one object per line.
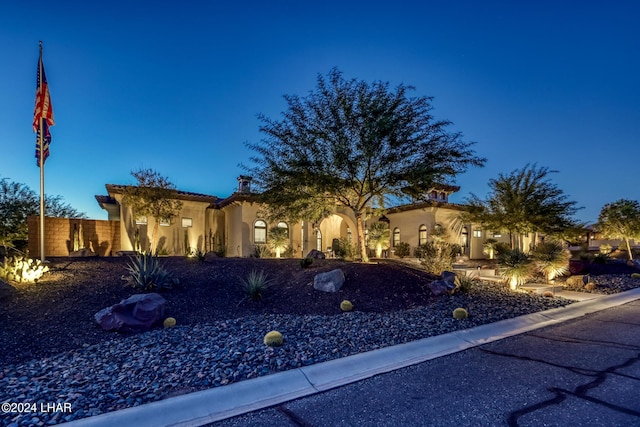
{"x":177,"y":86}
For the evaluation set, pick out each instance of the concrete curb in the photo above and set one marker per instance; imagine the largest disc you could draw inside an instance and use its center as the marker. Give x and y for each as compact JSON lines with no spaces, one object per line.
{"x":218,"y":403}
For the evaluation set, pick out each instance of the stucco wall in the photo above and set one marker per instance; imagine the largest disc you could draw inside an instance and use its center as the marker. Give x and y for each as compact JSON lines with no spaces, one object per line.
{"x":100,"y":236}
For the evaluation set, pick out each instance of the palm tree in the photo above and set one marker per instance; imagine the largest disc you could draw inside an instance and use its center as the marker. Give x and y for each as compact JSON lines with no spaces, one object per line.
{"x":551,"y":259}
{"x":278,"y":240}
{"x":378,"y":237}
{"x":515,"y":267}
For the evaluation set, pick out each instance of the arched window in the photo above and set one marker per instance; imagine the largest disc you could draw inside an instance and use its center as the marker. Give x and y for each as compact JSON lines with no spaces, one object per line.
{"x":422,"y":235}
{"x":284,"y":225}
{"x":259,"y":231}
{"x":396,"y":236}
{"x":318,"y":240}
{"x":464,"y":237}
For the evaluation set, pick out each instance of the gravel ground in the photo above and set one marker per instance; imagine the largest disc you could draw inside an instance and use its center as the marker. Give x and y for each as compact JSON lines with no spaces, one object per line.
{"x":133,"y":370}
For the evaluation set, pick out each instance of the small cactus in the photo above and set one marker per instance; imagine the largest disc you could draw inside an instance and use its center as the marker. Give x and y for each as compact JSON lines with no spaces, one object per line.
{"x":169,"y":322}
{"x":635,"y":275}
{"x":273,"y":339}
{"x":460,"y":313}
{"x":346,"y":305}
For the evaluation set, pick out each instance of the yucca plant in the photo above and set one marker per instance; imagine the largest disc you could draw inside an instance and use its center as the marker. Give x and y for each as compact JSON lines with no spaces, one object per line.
{"x":255,"y":284}
{"x":515,"y":267}
{"x":551,"y":259}
{"x":465,"y":283}
{"x":146,"y":273}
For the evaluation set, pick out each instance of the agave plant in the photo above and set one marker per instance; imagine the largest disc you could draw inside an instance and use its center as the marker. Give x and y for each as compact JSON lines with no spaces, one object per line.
{"x":145,"y":272}
{"x":255,"y":284}
{"x":551,"y":259}
{"x":515,"y":267}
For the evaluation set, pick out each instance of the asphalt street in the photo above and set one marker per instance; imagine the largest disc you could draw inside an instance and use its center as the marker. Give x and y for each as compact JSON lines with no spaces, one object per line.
{"x":583,"y":372}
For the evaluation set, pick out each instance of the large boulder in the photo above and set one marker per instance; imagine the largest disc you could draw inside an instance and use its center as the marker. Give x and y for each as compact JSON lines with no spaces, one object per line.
{"x":446,"y":285}
{"x":315,"y":254}
{"x":331,"y":281}
{"x":135,"y":314}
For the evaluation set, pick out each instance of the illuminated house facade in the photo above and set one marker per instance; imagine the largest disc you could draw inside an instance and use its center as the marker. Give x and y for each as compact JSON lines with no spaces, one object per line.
{"x":235,"y":225}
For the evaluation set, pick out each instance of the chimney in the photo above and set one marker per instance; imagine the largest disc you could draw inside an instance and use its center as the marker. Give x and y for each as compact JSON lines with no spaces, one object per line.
{"x":244,"y":184}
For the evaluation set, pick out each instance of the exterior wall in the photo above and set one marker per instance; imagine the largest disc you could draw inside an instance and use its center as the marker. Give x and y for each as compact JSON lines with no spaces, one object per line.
{"x":101,"y":237}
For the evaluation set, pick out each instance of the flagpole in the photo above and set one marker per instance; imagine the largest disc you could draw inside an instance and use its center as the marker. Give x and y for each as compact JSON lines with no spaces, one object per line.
{"x":41,"y":160}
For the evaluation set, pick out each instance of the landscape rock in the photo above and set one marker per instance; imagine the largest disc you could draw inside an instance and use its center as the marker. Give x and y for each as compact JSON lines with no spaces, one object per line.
{"x":135,"y":314}
{"x":445,"y":285}
{"x":331,"y":281}
{"x":315,"y":254}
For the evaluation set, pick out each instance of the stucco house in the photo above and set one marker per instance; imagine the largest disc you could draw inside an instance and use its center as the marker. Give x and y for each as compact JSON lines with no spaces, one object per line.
{"x":236,"y":225}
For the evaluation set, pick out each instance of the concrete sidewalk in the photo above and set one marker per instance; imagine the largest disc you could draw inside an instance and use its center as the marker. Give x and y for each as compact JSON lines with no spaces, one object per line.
{"x":223,"y":402}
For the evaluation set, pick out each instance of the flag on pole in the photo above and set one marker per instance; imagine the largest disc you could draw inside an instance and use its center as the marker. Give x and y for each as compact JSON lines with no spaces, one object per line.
{"x":42,"y":113}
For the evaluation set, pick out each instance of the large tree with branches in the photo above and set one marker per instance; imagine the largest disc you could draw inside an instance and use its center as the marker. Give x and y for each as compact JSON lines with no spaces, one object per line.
{"x":154,"y":196}
{"x":353,"y":144}
{"x":621,"y":220}
{"x":523,"y":201}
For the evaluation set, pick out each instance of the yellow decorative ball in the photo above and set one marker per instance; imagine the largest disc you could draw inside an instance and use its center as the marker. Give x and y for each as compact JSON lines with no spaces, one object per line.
{"x":169,"y":322}
{"x":460,"y":313}
{"x":273,"y":339}
{"x":346,"y":305}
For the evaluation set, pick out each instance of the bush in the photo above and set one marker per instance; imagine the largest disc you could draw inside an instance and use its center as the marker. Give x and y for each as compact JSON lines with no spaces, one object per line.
{"x":465,"y":283}
{"x":21,"y":269}
{"x":345,"y":250}
{"x":548,"y":294}
{"x":402,"y":249}
{"x":255,"y":284}
{"x":437,"y":257}
{"x":460,"y":313}
{"x":515,"y":267}
{"x":273,"y":339}
{"x":306,"y":262}
{"x":600,"y":258}
{"x":261,"y":251}
{"x":146,"y":273}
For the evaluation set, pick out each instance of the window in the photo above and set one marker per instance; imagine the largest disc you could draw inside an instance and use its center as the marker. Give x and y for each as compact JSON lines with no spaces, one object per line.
{"x":497,"y":234}
{"x":187,"y":222}
{"x":259,"y":231}
{"x":396,"y":236}
{"x":422,"y":235}
{"x":284,"y":225}
{"x":141,"y":220}
{"x":477,"y":233}
{"x":318,"y":240}
{"x":165,"y":222}
{"x":464,"y":237}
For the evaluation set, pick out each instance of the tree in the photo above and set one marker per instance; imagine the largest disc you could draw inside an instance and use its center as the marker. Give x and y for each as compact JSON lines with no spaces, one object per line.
{"x":524,"y":201}
{"x":18,"y":202}
{"x":621,"y":220}
{"x":353,"y":144}
{"x":154,"y":196}
{"x":378,"y":238}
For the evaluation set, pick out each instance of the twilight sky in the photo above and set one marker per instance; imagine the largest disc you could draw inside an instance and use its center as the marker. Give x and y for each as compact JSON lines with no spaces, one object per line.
{"x":177,"y":86}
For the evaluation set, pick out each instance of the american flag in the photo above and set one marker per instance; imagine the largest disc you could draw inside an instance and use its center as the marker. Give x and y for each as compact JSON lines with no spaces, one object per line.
{"x":43,"y":110}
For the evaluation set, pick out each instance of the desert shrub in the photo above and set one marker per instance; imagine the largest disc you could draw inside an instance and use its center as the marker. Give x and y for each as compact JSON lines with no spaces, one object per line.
{"x":306,"y":262}
{"x":515,"y":267}
{"x":548,"y":294}
{"x":273,"y":339}
{"x":460,"y":313}
{"x":200,"y":254}
{"x":576,"y":281}
{"x":551,"y":259}
{"x":345,"y":250}
{"x":221,"y":251}
{"x":489,"y":248}
{"x":261,"y":251}
{"x":146,"y":273}
{"x":21,"y":269}
{"x":255,"y":284}
{"x":502,"y":247}
{"x":465,"y":283}
{"x":402,"y":249}
{"x":346,"y":305}
{"x":437,"y":257}
{"x":289,"y":252}
{"x":635,"y":275}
